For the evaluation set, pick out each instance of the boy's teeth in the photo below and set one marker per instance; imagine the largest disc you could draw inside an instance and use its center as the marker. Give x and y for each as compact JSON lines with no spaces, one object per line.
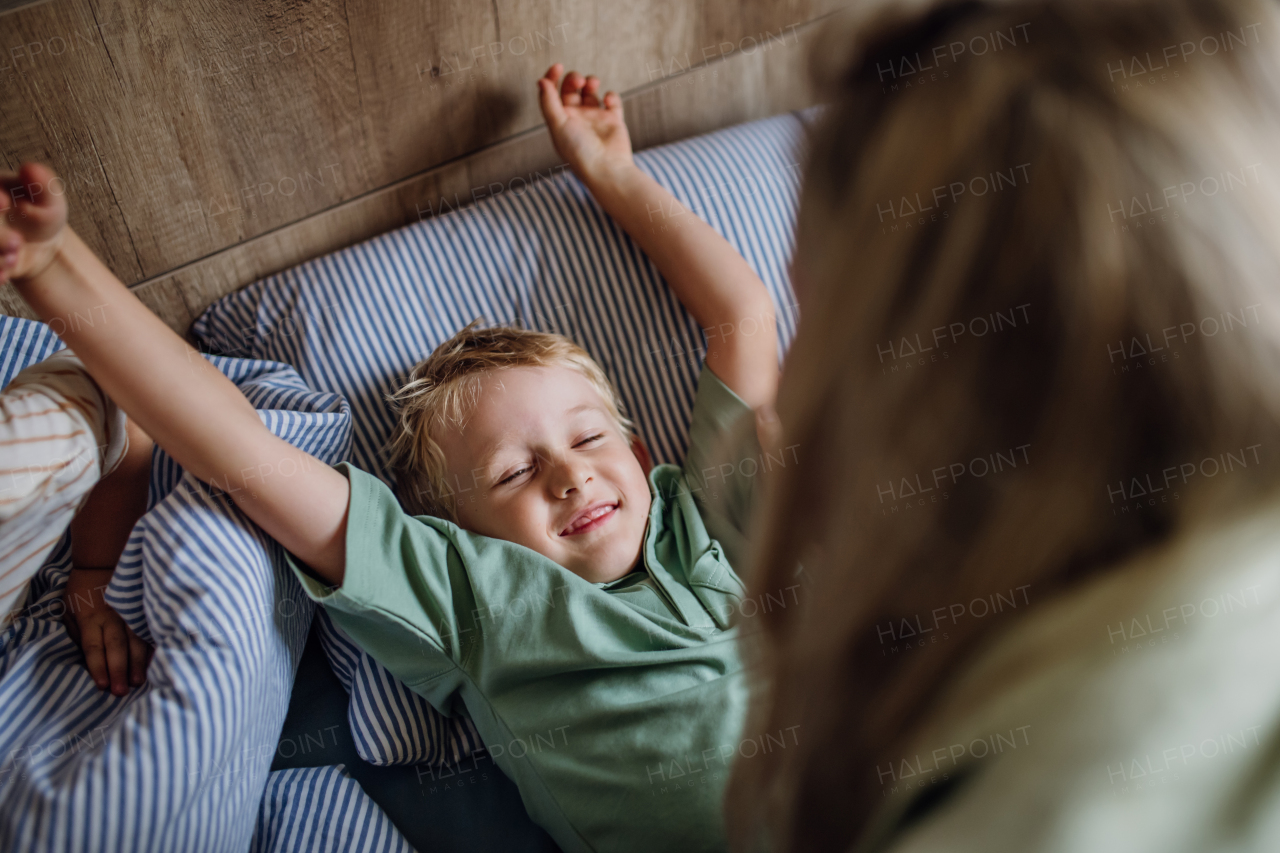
{"x":591,"y":516}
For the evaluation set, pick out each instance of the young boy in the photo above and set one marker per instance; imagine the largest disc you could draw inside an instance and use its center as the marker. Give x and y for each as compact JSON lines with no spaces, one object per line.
{"x":579,"y":610}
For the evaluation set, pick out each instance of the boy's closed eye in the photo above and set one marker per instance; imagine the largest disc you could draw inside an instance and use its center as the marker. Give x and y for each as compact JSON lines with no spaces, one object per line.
{"x":519,"y":472}
{"x":524,"y":468}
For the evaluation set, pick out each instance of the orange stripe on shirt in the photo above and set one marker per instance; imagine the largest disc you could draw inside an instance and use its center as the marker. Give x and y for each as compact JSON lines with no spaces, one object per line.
{"x":41,"y":438}
{"x":27,"y":559}
{"x":21,"y":545}
{"x":70,"y":482}
{"x":50,"y":468}
{"x":61,"y":407}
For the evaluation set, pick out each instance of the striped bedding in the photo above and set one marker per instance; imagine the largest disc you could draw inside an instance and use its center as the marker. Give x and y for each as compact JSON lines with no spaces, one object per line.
{"x":543,"y":255}
{"x":182,"y":764}
{"x":321,"y":809}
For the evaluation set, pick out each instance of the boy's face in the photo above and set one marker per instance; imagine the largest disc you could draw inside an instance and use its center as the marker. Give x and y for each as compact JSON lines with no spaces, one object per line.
{"x":548,"y":468}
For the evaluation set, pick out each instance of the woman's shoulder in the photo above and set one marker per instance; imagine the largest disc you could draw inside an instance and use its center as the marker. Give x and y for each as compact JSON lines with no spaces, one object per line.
{"x":1120,"y":714}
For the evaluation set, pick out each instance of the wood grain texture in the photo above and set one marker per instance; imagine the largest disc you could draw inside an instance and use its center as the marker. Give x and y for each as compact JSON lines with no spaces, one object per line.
{"x":58,"y":81}
{"x":205,"y":149}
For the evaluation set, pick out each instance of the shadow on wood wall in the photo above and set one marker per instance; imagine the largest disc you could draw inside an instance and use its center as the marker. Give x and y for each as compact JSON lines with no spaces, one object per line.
{"x":204,"y":145}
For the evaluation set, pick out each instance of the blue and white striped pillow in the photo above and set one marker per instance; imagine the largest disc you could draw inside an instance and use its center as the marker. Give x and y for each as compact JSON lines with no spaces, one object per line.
{"x":544,"y":256}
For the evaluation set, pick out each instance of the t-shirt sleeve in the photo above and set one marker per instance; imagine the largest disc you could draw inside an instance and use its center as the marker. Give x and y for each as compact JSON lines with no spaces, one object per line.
{"x":404,"y":598}
{"x":60,"y":434}
{"x":723,"y":464}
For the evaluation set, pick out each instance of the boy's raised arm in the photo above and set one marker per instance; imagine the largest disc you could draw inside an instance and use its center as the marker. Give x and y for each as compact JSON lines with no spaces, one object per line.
{"x":189,"y":408}
{"x":711,"y":279}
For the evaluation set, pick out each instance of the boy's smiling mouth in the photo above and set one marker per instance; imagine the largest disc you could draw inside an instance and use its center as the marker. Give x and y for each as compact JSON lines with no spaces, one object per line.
{"x":591,"y":517}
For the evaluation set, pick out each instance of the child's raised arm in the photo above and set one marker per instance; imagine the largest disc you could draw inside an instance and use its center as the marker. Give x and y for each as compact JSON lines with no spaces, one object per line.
{"x":711,"y":279}
{"x":189,"y":408}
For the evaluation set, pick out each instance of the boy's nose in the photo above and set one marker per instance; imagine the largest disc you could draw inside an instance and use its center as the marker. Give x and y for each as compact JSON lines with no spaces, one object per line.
{"x":569,"y":477}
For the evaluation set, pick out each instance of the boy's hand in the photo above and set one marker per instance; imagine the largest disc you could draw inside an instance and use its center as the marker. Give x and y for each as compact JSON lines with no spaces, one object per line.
{"x":713,"y":282}
{"x":588,"y":131}
{"x":115,"y":656}
{"x":31,"y":227}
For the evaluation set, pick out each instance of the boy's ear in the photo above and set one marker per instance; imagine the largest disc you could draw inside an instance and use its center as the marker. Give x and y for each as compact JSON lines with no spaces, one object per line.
{"x":642,"y":454}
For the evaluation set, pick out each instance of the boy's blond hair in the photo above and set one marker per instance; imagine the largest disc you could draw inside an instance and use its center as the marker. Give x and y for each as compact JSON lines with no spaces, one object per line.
{"x":443,"y":387}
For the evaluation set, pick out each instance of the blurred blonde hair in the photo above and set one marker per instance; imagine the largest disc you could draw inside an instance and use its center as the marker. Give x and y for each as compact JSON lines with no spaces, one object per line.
{"x":1093,"y":141}
{"x":443,"y":387}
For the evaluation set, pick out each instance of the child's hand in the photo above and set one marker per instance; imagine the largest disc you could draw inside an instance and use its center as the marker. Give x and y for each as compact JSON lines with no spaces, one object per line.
{"x":588,"y":131}
{"x":115,"y":656}
{"x":32,"y":220}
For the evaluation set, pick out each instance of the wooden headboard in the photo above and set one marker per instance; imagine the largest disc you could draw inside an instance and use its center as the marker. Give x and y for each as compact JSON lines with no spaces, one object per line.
{"x":206,"y":144}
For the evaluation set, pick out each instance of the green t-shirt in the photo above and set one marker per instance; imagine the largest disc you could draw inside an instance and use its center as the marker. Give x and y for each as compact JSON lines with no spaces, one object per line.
{"x":616,"y":708}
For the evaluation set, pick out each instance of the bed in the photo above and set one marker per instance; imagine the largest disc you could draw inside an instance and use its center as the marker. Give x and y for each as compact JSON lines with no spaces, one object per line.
{"x":196,"y":759}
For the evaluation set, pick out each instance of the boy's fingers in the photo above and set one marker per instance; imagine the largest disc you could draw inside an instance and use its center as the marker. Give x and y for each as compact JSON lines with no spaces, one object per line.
{"x":37,"y":180}
{"x":95,"y":660}
{"x":571,"y":88}
{"x":73,"y":625}
{"x":589,"y":90}
{"x":34,"y":194}
{"x":553,"y":74}
{"x":552,"y":109}
{"x":117,"y":650}
{"x":39,"y":214}
{"x":139,"y":657}
{"x":612,"y":101}
{"x":28,"y":184}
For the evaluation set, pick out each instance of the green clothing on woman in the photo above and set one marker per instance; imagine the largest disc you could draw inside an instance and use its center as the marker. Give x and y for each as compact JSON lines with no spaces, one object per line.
{"x":1139,"y":712}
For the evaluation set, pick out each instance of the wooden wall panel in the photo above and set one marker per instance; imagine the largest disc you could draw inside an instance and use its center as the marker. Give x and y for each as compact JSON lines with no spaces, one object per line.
{"x":206,"y":144}
{"x":58,"y":80}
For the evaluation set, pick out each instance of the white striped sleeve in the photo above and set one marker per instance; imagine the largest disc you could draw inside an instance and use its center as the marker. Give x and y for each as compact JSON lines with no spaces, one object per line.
{"x":59,"y":434}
